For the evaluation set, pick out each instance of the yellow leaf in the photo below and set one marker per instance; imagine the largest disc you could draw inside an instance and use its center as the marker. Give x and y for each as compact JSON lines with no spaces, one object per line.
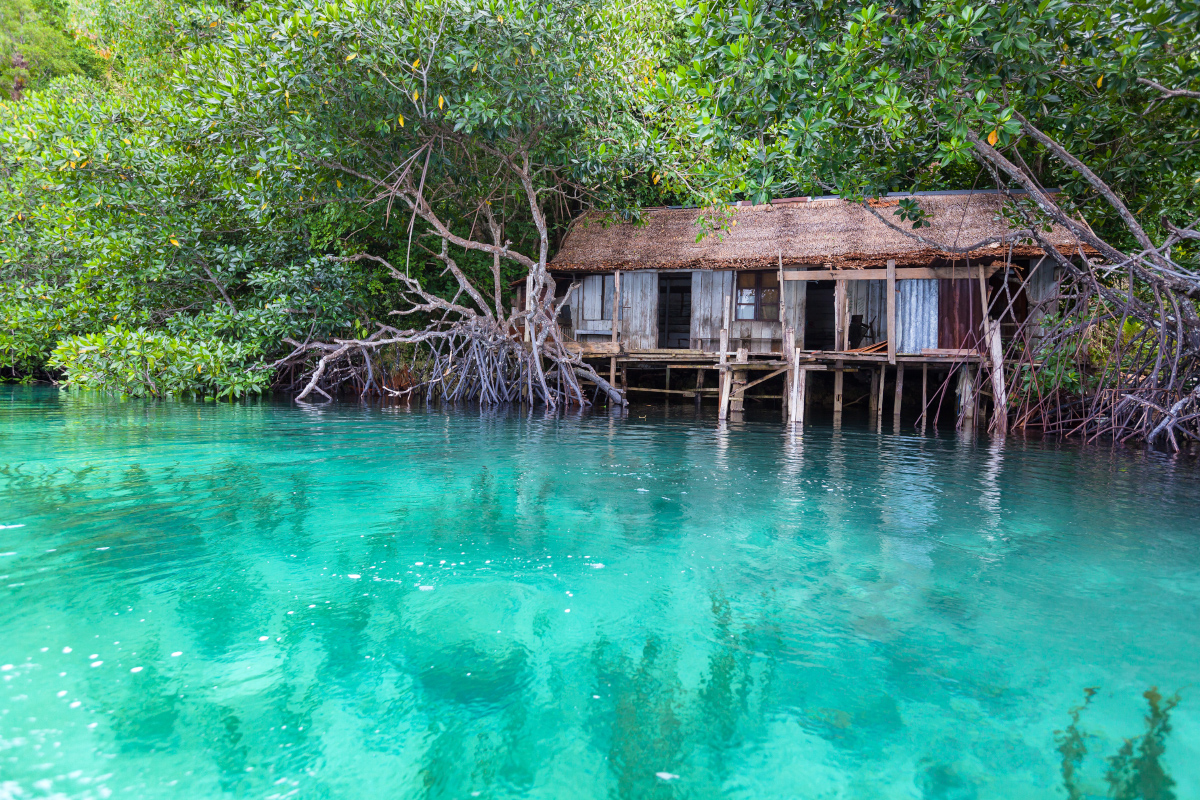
{"x":174,"y":241}
{"x":441,"y":102}
{"x":993,"y":137}
{"x":474,"y":67}
{"x":352,"y":56}
{"x":501,"y":18}
{"x":198,"y":368}
{"x":339,"y":183}
{"x":213,"y":24}
{"x":258,"y":174}
{"x":1099,"y":81}
{"x":114,"y":316}
{"x":126,"y":141}
{"x":264,"y":205}
{"x":532,"y":52}
{"x":416,"y":94}
{"x":400,"y":119}
{"x":656,"y":178}
{"x":416,"y":63}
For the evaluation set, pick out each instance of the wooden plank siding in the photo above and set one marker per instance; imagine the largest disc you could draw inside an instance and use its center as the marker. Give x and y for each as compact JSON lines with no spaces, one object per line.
{"x":590,"y":310}
{"x":639,"y":302}
{"x":795,"y":304}
{"x":710,"y":294}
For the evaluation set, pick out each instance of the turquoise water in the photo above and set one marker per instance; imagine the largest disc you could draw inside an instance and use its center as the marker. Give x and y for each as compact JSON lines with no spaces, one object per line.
{"x":266,"y":601}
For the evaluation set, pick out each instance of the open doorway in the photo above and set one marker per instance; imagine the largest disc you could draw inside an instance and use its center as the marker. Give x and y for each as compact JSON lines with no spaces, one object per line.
{"x":674,"y":311}
{"x":819,"y":319}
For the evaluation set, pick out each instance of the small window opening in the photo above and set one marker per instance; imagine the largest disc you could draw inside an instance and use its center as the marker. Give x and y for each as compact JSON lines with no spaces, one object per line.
{"x":758,"y":295}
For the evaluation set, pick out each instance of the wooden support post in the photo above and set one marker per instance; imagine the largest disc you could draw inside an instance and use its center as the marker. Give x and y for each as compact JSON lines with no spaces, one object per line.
{"x":789,"y":358}
{"x":879,"y":400}
{"x":893,"y":338}
{"x":699,"y":386}
{"x":667,"y":396}
{"x":899,"y":396}
{"x":924,"y":395}
{"x":737,"y":398}
{"x":966,"y":394}
{"x":838,"y":378}
{"x":616,"y":313}
{"x":738,"y":389}
{"x":873,"y":400}
{"x":723,"y":408}
{"x":799,"y":392}
{"x":839,"y":316}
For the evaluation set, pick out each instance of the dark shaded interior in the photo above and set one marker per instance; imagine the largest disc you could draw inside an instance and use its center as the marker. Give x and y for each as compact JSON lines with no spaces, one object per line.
{"x":674,"y":311}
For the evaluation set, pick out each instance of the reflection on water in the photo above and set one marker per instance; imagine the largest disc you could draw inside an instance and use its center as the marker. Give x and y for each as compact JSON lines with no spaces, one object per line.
{"x":269,"y":601}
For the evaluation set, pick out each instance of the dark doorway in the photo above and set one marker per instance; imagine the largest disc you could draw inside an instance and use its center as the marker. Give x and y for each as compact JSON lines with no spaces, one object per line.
{"x":674,"y":311}
{"x":819,"y":317}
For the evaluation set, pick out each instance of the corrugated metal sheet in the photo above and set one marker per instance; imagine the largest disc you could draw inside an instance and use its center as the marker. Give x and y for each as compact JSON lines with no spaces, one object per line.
{"x":916,"y":315}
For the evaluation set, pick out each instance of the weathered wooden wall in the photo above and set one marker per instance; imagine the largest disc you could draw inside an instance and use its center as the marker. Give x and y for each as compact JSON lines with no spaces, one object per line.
{"x":795,"y":304}
{"x":1042,"y":291}
{"x":588,"y":311}
{"x":639,"y":309}
{"x":710,"y":296}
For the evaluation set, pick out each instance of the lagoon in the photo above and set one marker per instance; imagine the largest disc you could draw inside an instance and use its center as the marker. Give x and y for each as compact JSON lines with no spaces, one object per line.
{"x":264,"y":600}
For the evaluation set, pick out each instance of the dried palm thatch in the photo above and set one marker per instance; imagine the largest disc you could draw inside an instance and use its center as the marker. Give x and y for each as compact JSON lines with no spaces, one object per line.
{"x":821,"y":232}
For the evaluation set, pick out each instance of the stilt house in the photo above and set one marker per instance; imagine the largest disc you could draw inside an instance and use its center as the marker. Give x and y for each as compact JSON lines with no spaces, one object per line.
{"x":843,"y":286}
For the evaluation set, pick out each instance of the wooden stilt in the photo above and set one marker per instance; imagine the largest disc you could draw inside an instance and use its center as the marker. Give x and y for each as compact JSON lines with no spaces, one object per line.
{"x":737,"y":391}
{"x":899,"y":397}
{"x":799,"y":394}
{"x":966,"y":395}
{"x":723,"y":408}
{"x":838,"y":378}
{"x":699,"y":386}
{"x":924,"y":396}
{"x":873,"y":400}
{"x":789,"y":358}
{"x":667,"y":396}
{"x":879,"y":401}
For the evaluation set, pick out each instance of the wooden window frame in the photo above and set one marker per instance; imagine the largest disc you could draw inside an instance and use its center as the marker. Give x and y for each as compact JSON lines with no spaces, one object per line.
{"x":758,"y":297}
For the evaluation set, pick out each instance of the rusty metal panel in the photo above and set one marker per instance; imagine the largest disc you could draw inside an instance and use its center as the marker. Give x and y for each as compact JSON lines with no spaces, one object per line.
{"x":916,"y":315}
{"x":960,"y":313}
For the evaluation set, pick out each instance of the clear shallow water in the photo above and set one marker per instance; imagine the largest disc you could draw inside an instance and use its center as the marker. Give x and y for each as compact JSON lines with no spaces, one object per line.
{"x":266,"y":601}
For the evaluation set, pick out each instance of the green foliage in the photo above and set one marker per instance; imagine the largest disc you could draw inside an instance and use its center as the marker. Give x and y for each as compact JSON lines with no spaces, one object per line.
{"x":816,"y":97}
{"x":35,"y":47}
{"x":135,"y":362}
{"x":110,"y":218}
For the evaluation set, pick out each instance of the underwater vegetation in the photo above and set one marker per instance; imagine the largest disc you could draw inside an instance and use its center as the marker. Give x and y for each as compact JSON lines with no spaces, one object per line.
{"x":1136,"y":772}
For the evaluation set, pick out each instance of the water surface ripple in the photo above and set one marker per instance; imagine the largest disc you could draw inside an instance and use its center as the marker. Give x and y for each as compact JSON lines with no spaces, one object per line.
{"x":262,"y":600}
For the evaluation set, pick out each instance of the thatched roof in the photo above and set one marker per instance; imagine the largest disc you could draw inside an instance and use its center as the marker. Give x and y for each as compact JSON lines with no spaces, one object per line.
{"x":821,"y":232}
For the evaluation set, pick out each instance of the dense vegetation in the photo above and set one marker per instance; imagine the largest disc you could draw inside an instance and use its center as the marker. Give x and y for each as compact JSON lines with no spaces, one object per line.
{"x":180,"y":181}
